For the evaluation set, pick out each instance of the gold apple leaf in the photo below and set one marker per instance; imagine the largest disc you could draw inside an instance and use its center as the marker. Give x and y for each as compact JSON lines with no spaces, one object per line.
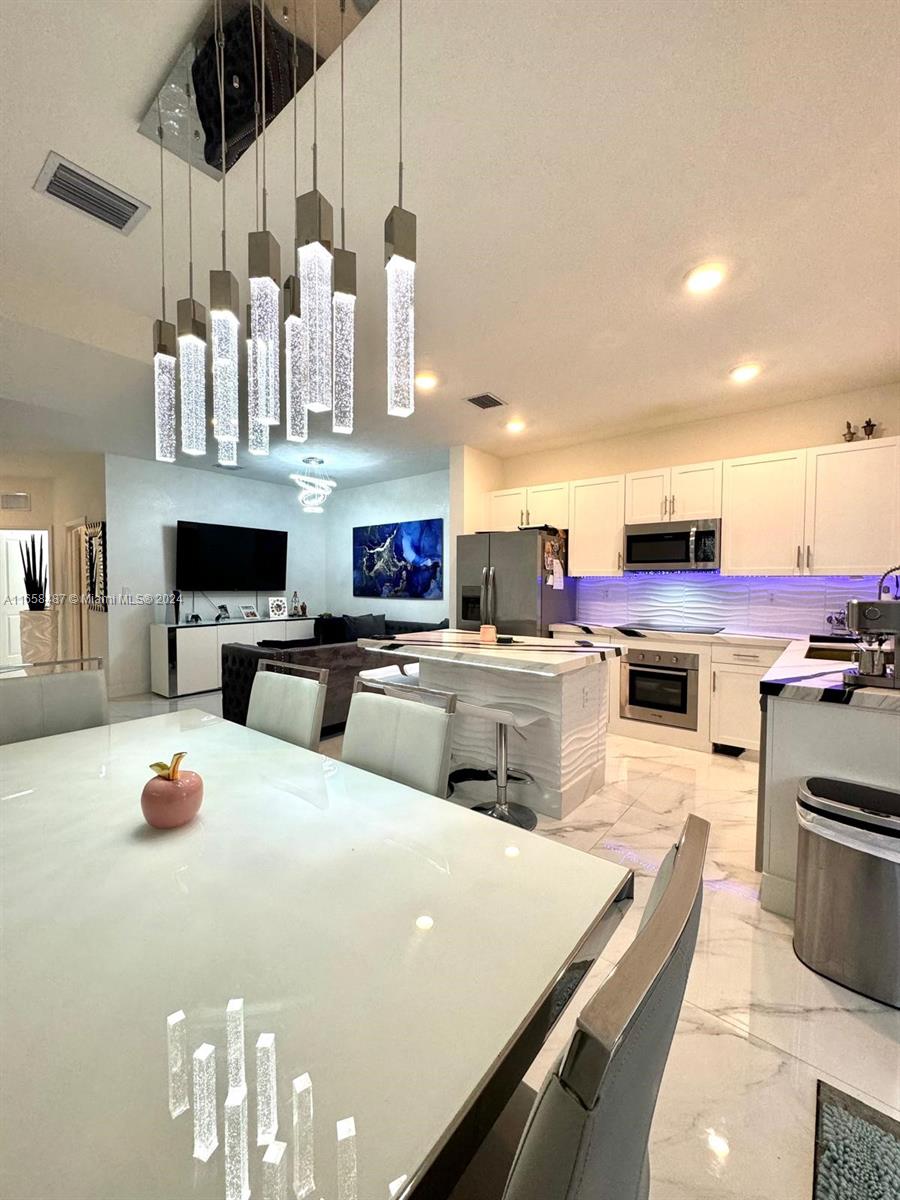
{"x":161,"y":769}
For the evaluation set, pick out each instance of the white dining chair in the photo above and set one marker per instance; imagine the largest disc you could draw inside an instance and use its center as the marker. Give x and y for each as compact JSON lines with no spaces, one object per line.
{"x":287,"y":702}
{"x":401,"y":733}
{"x":34,"y":706}
{"x":585,"y":1135}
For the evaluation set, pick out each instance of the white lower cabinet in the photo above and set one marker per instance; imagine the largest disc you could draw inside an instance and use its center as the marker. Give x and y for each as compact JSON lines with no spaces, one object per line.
{"x":197,"y":659}
{"x":734,"y":717}
{"x":188,"y":658}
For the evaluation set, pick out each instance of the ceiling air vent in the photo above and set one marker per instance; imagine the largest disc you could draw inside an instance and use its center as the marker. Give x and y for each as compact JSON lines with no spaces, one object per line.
{"x":485,"y":400}
{"x":71,"y":184}
{"x":16,"y":501}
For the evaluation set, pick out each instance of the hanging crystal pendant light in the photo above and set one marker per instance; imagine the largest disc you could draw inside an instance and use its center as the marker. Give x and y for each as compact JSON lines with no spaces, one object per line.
{"x":257,"y":429}
{"x":315,"y":237}
{"x":344,"y":303}
{"x":224,"y":303}
{"x":315,"y":486}
{"x":400,"y":268}
{"x":264,"y":261}
{"x":191,"y":317}
{"x":163,"y":338}
{"x":295,"y":359}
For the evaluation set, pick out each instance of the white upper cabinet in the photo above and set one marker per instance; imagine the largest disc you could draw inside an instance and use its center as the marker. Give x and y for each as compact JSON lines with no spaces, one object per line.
{"x":507,"y":509}
{"x":542,"y":504}
{"x":596,"y":522}
{"x":762,"y":514}
{"x":852,"y":508}
{"x":695,"y":492}
{"x":547,"y":504}
{"x":647,"y":496}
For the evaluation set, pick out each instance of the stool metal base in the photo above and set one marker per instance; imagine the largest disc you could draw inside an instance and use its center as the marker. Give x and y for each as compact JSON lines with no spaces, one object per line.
{"x":512,"y":814}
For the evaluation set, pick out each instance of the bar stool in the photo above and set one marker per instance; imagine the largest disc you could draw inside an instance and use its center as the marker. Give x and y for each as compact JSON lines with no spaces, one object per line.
{"x":510,"y":716}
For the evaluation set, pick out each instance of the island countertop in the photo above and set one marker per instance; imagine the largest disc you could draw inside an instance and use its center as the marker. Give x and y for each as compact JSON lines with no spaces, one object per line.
{"x":796,"y":677}
{"x":539,"y":656}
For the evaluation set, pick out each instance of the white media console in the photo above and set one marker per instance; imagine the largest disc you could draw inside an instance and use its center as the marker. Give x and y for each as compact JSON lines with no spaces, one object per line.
{"x":188,"y":658}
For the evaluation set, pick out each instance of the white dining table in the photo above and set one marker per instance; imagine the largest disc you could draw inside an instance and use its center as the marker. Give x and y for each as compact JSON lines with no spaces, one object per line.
{"x":397,"y":946}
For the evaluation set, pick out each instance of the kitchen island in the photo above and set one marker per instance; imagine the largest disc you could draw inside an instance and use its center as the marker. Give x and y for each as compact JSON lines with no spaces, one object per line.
{"x":813,"y":724}
{"x":562,"y":685}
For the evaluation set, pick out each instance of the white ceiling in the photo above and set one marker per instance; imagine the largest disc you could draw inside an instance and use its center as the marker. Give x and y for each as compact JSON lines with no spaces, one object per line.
{"x":567,"y":162}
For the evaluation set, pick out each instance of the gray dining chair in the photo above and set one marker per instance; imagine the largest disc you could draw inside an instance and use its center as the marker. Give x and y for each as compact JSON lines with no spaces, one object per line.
{"x":585,"y":1135}
{"x":402,"y":733}
{"x":34,"y":706}
{"x":287,"y":702}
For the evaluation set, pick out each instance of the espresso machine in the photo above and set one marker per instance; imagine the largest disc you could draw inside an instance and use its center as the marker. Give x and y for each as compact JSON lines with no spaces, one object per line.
{"x":875,"y":624}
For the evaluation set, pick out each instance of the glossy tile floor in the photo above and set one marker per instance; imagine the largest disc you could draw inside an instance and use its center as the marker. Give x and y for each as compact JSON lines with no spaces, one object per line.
{"x":736,"y":1110}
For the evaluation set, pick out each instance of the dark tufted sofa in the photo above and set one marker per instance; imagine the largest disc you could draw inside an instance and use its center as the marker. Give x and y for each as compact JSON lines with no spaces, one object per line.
{"x":342,"y":659}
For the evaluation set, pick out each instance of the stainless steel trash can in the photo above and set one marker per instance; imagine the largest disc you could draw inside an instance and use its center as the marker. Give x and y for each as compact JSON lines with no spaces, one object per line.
{"x":847,"y":911}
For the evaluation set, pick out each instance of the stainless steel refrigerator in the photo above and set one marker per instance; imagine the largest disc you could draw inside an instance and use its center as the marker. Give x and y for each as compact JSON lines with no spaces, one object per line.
{"x":502,"y":580}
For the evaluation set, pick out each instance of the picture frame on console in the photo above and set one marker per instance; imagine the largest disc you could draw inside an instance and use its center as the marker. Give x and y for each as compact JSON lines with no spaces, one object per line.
{"x":248,"y":612}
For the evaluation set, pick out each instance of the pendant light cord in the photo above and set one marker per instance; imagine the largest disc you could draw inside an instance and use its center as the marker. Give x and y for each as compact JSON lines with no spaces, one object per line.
{"x":315,"y":148}
{"x":343,"y":223}
{"x":220,"y":65}
{"x":255,"y":108}
{"x":262,"y":18}
{"x":162,"y":207}
{"x":400,"y":106}
{"x":295,"y":116}
{"x":190,"y":159}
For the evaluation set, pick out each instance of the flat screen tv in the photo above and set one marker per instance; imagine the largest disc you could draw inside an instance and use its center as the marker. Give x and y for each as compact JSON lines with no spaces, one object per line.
{"x":229,"y":558}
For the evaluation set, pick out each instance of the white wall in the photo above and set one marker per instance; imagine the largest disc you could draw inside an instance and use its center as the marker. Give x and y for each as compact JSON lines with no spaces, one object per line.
{"x":788,"y":427}
{"x":145,"y":500}
{"x":414,"y":499}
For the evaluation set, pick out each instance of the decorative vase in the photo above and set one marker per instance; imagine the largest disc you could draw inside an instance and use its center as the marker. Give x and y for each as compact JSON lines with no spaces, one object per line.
{"x":172,"y":797}
{"x":38,"y":636}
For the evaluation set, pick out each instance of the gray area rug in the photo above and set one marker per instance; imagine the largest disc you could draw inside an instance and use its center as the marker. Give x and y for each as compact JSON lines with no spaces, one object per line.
{"x":857,"y":1149}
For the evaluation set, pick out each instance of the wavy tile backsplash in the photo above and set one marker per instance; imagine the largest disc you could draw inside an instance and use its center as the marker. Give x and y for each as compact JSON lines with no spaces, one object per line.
{"x":744,"y":604}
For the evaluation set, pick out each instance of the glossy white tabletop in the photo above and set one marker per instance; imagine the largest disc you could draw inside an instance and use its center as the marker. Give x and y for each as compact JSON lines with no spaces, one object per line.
{"x":299,"y":888}
{"x":541,"y":656}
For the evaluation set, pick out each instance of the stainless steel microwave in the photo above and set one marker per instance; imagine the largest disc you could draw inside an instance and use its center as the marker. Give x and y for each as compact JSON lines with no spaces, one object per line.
{"x":674,"y":546}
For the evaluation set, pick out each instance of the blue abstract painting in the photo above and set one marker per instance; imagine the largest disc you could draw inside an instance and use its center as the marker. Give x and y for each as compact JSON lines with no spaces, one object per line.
{"x":400,"y":561}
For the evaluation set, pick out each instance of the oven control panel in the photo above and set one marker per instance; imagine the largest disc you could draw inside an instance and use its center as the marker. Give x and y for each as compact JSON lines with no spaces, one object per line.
{"x":663,"y":658}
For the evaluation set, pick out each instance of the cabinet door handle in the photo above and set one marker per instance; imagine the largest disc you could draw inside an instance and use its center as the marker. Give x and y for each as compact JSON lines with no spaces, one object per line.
{"x":527,"y":516}
{"x":809,"y":558}
{"x":755,"y":657}
{"x":665,"y":506}
{"x":799,"y":563}
{"x":522,"y":519}
{"x":620,"y":560}
{"x":714,"y":681}
{"x":672,"y":506}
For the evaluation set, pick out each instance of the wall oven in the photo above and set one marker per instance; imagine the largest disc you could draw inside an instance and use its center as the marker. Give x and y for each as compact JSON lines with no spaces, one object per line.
{"x":659,"y":687}
{"x":674,"y":546}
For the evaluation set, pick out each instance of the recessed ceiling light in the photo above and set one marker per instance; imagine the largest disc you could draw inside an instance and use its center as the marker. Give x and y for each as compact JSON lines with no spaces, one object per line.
{"x":515,"y":425}
{"x":744,"y":372}
{"x":426,"y":381}
{"x":705,"y":278}
{"x":424,"y":922}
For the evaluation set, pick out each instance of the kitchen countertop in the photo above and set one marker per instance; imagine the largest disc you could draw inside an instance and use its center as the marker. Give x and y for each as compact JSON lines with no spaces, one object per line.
{"x":796,"y":677}
{"x":540,"y":656}
{"x":726,"y":638}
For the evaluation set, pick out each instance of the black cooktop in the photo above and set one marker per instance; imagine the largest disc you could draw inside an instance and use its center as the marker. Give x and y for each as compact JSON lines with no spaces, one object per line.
{"x":639,"y":630}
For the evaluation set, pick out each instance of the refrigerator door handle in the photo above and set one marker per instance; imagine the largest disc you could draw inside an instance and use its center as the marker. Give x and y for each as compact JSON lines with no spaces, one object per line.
{"x":490,"y":593}
{"x":483,"y":603}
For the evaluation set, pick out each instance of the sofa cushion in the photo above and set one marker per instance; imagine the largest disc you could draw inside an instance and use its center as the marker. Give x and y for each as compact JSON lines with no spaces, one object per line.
{"x":366,"y":625}
{"x":290,"y":645}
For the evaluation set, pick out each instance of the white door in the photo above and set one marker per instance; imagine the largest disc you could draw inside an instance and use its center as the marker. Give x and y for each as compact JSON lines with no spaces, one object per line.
{"x":12,"y":590}
{"x":596,"y":525}
{"x":762,"y":514}
{"x":734,"y":718}
{"x":852,"y":508}
{"x":696,"y":492}
{"x":547,"y":504}
{"x":507,"y":509}
{"x":197,"y":655}
{"x":647,"y":496}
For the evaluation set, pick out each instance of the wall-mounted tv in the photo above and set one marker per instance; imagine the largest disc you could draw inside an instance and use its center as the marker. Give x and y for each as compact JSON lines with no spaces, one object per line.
{"x":229,"y":558}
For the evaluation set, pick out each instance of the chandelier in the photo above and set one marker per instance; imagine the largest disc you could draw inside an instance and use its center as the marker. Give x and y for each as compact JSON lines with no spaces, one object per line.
{"x":315,"y":487}
{"x":315,"y":307}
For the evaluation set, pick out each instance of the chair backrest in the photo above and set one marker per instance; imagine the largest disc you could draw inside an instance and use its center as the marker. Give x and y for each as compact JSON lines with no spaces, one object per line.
{"x":401,"y":733}
{"x":587,"y":1135}
{"x":287,"y":701}
{"x":35,"y":706}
